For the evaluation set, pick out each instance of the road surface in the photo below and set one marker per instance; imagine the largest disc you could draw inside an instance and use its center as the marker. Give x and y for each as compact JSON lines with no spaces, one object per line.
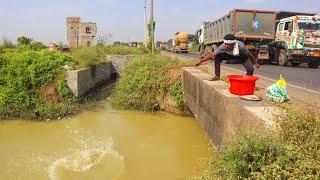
{"x":303,"y":82}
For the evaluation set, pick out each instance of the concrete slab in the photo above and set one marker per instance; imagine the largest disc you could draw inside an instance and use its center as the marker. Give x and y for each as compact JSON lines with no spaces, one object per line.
{"x":83,"y":81}
{"x":221,"y":114}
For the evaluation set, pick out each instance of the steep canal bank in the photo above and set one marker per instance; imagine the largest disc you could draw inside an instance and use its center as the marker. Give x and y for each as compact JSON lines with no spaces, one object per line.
{"x":108,"y":144}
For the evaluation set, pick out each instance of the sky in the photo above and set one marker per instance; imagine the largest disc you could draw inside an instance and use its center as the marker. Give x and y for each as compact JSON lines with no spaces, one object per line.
{"x":123,"y":20}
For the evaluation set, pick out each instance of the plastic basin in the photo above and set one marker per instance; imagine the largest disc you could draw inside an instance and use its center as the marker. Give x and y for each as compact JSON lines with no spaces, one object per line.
{"x":242,"y":85}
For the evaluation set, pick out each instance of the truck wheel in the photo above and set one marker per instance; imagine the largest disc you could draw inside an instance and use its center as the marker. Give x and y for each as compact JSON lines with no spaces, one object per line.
{"x":295,"y":64}
{"x":283,"y":58}
{"x":314,"y":64}
{"x":262,"y":61}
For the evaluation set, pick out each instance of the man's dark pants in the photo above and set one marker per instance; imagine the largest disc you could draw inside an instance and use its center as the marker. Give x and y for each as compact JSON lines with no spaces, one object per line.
{"x":246,"y":62}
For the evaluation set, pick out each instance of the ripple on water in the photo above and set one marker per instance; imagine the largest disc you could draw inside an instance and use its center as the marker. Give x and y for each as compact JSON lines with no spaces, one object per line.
{"x":88,"y":163}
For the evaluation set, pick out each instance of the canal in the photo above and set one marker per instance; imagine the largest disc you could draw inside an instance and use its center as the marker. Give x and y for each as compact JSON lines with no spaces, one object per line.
{"x":108,"y":144}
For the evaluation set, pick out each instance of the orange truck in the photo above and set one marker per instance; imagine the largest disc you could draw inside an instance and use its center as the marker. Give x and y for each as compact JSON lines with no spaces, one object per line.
{"x":180,"y":42}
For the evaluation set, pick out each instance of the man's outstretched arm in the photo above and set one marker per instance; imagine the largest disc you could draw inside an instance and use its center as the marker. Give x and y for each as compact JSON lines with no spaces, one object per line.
{"x":253,"y":60}
{"x":209,"y":56}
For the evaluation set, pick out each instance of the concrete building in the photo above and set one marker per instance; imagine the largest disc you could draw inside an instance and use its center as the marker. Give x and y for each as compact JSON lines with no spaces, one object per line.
{"x":80,"y":33}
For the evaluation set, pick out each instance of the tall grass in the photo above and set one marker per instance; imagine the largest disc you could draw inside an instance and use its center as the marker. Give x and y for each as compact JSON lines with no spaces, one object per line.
{"x":6,"y":44}
{"x":90,"y":56}
{"x":123,"y":50}
{"x":292,"y":153}
{"x":146,"y":80}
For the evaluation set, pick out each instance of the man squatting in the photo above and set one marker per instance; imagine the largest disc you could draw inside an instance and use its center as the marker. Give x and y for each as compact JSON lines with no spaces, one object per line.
{"x":231,"y":49}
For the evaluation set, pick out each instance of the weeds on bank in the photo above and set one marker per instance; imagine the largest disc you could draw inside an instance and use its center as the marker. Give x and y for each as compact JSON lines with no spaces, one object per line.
{"x":177,"y":92}
{"x":88,"y":56}
{"x":24,"y":78}
{"x":293,"y":153}
{"x":91,"y":56}
{"x":32,"y":81}
{"x":146,"y":80}
{"x":123,"y":50}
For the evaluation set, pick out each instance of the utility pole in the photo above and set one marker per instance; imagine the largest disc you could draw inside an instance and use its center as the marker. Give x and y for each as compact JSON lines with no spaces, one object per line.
{"x":145,"y":24}
{"x":152,"y":27}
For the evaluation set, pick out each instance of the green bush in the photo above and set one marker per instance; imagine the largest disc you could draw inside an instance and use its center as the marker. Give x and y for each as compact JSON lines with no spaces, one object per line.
{"x":254,"y":156}
{"x":22,"y":40}
{"x":143,"y":80}
{"x":293,"y":153}
{"x":37,"y":46}
{"x":64,"y":91}
{"x":22,"y":76}
{"x":53,"y":110}
{"x":194,"y":48}
{"x":177,"y":92}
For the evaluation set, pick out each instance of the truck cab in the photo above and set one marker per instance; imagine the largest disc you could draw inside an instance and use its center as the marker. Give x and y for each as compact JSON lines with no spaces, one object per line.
{"x":298,"y":40}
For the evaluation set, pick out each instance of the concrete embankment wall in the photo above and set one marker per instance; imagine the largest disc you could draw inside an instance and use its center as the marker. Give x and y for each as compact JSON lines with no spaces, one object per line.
{"x":221,"y":114}
{"x":83,"y":81}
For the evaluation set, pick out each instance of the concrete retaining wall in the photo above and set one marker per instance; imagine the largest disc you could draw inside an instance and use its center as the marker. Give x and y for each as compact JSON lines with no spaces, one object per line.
{"x":83,"y":81}
{"x":120,"y":62}
{"x":221,"y":114}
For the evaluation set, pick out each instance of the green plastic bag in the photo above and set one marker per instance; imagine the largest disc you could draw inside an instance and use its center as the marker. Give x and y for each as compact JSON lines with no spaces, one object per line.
{"x":278,"y":92}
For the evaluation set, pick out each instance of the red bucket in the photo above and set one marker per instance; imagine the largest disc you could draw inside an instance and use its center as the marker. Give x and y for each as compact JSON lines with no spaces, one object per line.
{"x":242,"y":85}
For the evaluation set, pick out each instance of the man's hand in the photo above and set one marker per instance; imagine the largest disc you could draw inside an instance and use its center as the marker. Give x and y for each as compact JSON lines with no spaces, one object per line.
{"x":209,"y":56}
{"x":257,"y":65}
{"x":198,"y":63}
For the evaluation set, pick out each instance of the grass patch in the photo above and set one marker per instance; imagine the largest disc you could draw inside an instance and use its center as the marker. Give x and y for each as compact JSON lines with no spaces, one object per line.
{"x":91,"y":56}
{"x":88,"y":56}
{"x":177,"y":92}
{"x":292,"y":153}
{"x":147,"y":81}
{"x":123,"y":50}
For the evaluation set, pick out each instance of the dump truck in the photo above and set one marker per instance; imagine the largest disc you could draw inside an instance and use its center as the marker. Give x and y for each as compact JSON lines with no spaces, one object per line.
{"x":273,"y":37}
{"x":180,"y":42}
{"x":255,"y":28}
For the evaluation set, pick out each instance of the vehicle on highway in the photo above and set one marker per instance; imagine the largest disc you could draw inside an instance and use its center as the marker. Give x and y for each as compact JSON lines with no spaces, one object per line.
{"x":273,"y":37}
{"x":180,"y":42}
{"x":297,"y":41}
{"x":167,"y":46}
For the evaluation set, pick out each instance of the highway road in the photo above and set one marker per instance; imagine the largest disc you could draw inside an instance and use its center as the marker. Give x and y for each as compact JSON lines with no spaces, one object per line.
{"x":303,"y":82}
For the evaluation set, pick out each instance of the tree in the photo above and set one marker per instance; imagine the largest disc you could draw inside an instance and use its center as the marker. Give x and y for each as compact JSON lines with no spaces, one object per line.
{"x":193,"y":38}
{"x":117,"y":43}
{"x":37,"y":46}
{"x":22,"y":40}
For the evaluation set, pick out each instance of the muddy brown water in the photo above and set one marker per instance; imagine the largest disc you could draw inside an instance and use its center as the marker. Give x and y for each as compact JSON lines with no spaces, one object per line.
{"x":109,"y":144}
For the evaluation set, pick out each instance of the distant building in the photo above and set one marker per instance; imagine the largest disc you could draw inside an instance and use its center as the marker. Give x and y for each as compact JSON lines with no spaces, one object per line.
{"x":80,"y":33}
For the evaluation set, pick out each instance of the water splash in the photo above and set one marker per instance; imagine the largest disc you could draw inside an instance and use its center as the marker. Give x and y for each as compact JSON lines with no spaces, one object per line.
{"x":83,"y":163}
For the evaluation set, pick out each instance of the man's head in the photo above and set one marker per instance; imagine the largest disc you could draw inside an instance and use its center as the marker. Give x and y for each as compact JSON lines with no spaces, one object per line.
{"x":229,"y":41}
